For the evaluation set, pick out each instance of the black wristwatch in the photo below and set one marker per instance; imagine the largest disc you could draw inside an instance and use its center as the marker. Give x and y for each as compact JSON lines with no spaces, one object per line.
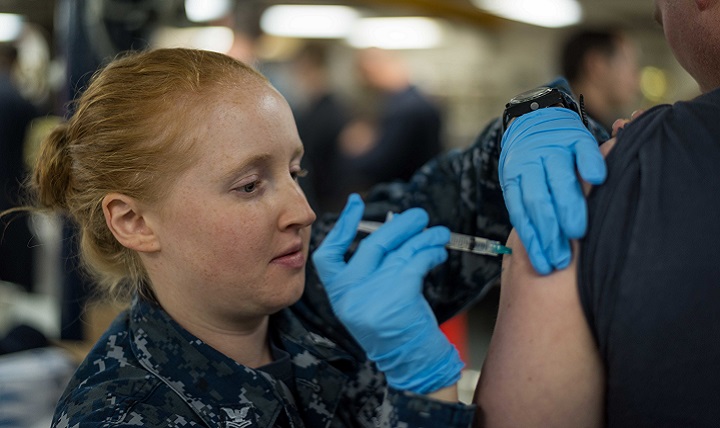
{"x":538,"y":98}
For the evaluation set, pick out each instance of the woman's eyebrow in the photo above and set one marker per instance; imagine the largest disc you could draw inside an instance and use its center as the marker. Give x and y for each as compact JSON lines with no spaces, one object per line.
{"x":254,"y":160}
{"x":257,"y":159}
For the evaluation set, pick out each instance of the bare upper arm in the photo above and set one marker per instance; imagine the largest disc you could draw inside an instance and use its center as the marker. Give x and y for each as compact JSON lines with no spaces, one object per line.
{"x":542,"y":368}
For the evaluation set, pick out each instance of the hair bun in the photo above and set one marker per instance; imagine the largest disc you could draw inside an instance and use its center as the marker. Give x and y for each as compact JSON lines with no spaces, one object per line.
{"x":53,"y":170}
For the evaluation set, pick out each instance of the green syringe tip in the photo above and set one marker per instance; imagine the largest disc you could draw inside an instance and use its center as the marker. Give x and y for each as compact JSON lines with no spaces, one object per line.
{"x":501,"y":249}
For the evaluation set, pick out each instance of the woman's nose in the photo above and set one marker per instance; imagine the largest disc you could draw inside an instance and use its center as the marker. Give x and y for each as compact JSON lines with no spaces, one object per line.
{"x":297,"y":210}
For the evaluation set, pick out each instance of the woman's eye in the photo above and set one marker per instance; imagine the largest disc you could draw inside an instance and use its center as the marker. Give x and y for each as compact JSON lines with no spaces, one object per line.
{"x":250,"y":187}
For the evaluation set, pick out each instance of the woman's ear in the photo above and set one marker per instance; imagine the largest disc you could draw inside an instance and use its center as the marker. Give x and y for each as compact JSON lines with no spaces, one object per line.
{"x":124,"y":218}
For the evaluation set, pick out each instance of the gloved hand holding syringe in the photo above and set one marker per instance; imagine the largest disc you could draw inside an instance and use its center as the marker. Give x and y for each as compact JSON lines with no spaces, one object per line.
{"x":458,"y":241}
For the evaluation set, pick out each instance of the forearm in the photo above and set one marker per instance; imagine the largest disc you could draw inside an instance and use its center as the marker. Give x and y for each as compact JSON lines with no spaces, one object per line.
{"x":449,"y":394}
{"x":413,"y":410}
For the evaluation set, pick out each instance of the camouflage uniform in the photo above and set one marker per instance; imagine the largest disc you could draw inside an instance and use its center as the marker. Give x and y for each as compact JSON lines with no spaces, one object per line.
{"x":148,"y":371}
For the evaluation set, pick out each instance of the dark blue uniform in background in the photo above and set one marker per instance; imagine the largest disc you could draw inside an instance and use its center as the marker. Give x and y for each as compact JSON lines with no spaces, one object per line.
{"x":408,"y":135}
{"x":16,"y":252}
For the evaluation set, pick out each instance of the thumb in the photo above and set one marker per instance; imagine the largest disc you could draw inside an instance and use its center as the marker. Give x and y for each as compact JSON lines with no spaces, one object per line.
{"x":590,"y":162}
{"x":329,"y":258}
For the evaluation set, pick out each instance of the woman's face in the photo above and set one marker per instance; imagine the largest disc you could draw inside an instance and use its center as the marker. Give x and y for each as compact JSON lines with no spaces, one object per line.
{"x":234,"y":228}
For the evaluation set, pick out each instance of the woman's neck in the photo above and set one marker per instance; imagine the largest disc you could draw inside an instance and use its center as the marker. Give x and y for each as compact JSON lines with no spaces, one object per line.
{"x":244,"y":340}
{"x":249,"y":347}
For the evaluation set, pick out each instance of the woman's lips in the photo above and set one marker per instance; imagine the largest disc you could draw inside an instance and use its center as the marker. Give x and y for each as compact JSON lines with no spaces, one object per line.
{"x":294,"y":259}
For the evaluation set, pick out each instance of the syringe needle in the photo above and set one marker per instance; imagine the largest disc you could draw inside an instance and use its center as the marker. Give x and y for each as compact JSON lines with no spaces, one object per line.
{"x":458,"y":241}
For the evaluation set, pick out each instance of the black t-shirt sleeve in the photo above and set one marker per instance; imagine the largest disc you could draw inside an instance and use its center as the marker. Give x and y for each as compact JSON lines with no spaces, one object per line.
{"x":649,"y":269}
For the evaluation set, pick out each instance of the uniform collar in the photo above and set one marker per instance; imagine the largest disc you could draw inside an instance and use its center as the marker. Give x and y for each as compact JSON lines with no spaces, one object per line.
{"x":225,"y":393}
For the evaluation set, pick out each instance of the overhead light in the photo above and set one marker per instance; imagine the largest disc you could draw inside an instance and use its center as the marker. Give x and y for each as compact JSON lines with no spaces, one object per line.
{"x":396,"y":33}
{"x":11,"y":26}
{"x":545,"y":13}
{"x":309,"y":21}
{"x":654,"y":84}
{"x":206,"y":10}
{"x":216,"y":39}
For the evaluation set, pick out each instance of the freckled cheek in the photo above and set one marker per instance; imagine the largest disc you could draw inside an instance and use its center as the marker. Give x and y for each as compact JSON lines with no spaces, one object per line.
{"x":239,"y":245}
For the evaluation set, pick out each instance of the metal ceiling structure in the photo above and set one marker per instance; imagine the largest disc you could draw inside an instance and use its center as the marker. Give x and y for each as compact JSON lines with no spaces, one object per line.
{"x":623,"y":12}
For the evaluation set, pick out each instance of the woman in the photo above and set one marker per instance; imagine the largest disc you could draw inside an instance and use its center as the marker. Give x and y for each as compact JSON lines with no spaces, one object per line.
{"x":180,"y":168}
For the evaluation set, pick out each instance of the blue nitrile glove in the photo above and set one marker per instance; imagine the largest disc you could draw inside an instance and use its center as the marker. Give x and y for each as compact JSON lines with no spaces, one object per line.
{"x":378,"y":296}
{"x":540,"y":151}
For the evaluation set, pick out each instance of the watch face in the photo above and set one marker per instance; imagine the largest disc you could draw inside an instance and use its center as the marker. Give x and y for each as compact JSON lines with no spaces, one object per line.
{"x":530,"y":95}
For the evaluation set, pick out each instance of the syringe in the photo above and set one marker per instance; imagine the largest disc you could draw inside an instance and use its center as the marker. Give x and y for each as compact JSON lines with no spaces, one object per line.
{"x":458,"y":241}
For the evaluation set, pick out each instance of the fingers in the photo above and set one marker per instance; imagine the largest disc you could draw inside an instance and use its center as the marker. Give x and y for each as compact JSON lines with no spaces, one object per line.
{"x":535,"y":252}
{"x":567,"y":196}
{"x":388,"y":237}
{"x":525,"y":229}
{"x":540,"y":204}
{"x":329,"y":258}
{"x":620,"y":123}
{"x":423,"y":251}
{"x":636,"y":114}
{"x":590,"y":162}
{"x":426,"y":259}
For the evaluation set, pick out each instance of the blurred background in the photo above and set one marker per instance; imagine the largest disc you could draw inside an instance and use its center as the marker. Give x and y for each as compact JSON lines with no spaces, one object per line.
{"x":465,"y":57}
{"x":468,"y":58}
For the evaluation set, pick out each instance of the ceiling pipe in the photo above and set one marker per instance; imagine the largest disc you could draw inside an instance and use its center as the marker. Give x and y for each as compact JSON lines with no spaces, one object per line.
{"x":450,"y":9}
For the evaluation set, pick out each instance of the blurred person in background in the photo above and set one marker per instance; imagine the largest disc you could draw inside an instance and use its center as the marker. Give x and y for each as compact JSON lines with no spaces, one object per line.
{"x":602,"y":65}
{"x":320,"y":116}
{"x":16,"y":113}
{"x":406,"y":132}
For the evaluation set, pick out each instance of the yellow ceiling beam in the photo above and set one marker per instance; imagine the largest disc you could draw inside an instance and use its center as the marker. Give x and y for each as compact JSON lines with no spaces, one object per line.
{"x":450,"y":9}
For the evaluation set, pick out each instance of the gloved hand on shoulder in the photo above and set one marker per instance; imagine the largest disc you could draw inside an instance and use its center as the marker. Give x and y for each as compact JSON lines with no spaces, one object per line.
{"x":378,"y":296}
{"x":537,"y":169}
